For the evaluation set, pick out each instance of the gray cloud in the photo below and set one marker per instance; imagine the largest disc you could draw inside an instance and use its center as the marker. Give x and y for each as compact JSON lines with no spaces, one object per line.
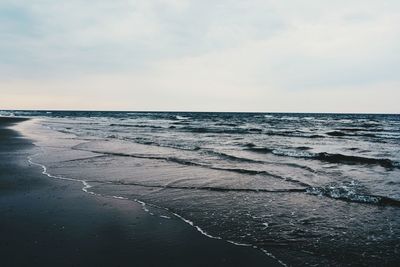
{"x":200,"y":54}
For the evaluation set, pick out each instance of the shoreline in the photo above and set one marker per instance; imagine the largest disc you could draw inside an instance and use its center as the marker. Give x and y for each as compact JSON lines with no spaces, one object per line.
{"x":47,"y":220}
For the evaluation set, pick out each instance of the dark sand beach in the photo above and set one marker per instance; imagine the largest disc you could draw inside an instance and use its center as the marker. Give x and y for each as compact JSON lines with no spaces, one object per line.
{"x":50,"y":222}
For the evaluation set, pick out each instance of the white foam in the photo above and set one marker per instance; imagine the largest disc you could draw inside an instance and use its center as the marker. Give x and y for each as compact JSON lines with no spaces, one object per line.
{"x":117,"y":197}
{"x":182,"y":118}
{"x":85,"y":187}
{"x":272,"y":256}
{"x":196,"y":227}
{"x":177,"y":215}
{"x":143,"y":205}
{"x":239,"y":244}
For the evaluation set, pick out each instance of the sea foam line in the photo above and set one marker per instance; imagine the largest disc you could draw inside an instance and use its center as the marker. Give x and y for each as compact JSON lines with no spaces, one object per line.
{"x":86,"y":186}
{"x":273,"y":256}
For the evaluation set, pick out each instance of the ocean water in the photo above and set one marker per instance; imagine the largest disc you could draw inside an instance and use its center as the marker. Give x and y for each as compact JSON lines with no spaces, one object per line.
{"x":309,"y":189}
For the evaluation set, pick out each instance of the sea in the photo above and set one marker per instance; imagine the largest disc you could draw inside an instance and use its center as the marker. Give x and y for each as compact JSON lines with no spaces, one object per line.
{"x":306,"y":189}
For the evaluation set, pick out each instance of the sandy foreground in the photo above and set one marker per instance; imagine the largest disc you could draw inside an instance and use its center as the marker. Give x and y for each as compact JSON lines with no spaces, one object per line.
{"x":50,"y":222}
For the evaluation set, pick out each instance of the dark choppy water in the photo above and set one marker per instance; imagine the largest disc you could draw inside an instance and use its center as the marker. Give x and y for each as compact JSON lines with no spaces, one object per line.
{"x":309,"y":188}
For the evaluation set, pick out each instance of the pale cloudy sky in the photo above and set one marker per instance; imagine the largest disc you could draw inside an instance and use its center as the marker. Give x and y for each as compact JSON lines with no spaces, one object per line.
{"x":202,"y":55}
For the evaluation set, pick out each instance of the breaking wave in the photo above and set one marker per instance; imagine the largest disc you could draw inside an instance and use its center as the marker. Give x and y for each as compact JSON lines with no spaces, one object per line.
{"x":350,"y":191}
{"x":327,"y":157}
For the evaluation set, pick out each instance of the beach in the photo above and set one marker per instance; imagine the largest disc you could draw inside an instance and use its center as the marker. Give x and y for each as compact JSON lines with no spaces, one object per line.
{"x":199,"y":133}
{"x":52,"y":222}
{"x":84,"y":188}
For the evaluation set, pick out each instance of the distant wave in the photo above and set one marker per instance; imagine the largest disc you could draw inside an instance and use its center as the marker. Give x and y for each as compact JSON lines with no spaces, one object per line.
{"x":260,"y":149}
{"x":232,"y":157}
{"x":355,"y":129}
{"x":316,"y":136}
{"x":241,"y":159}
{"x":351,"y":132}
{"x":137,"y":125}
{"x":336,"y":133}
{"x":181,"y":122}
{"x":300,"y":153}
{"x":326,"y":157}
{"x":293,"y":133}
{"x":379,"y":135}
{"x":220,"y":130}
{"x":227,"y":124}
{"x":340,"y":158}
{"x":370,"y":124}
{"x":303,"y":147}
{"x":179,"y":146}
{"x":181,"y":117}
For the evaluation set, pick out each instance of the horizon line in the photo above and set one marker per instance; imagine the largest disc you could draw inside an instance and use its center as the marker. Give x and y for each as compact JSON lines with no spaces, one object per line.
{"x":183,"y":111}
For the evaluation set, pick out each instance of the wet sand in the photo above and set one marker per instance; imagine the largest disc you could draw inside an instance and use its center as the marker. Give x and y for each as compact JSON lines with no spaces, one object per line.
{"x":50,"y":222}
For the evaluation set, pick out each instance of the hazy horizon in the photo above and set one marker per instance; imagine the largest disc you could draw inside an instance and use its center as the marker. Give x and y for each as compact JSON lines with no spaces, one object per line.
{"x":184,"y":55}
{"x":193,"y":111}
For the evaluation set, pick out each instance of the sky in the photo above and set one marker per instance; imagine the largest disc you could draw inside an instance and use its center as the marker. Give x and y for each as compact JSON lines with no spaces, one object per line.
{"x":192,"y":55}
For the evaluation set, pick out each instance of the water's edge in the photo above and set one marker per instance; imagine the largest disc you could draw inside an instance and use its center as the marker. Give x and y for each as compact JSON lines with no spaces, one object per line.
{"x":87,"y":186}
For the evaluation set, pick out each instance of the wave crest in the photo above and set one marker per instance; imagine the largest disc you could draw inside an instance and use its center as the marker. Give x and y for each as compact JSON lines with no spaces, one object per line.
{"x":326,"y":157}
{"x":351,"y":192}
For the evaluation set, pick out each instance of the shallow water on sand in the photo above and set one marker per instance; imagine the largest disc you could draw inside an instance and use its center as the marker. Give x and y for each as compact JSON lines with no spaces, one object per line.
{"x":308,"y":188}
